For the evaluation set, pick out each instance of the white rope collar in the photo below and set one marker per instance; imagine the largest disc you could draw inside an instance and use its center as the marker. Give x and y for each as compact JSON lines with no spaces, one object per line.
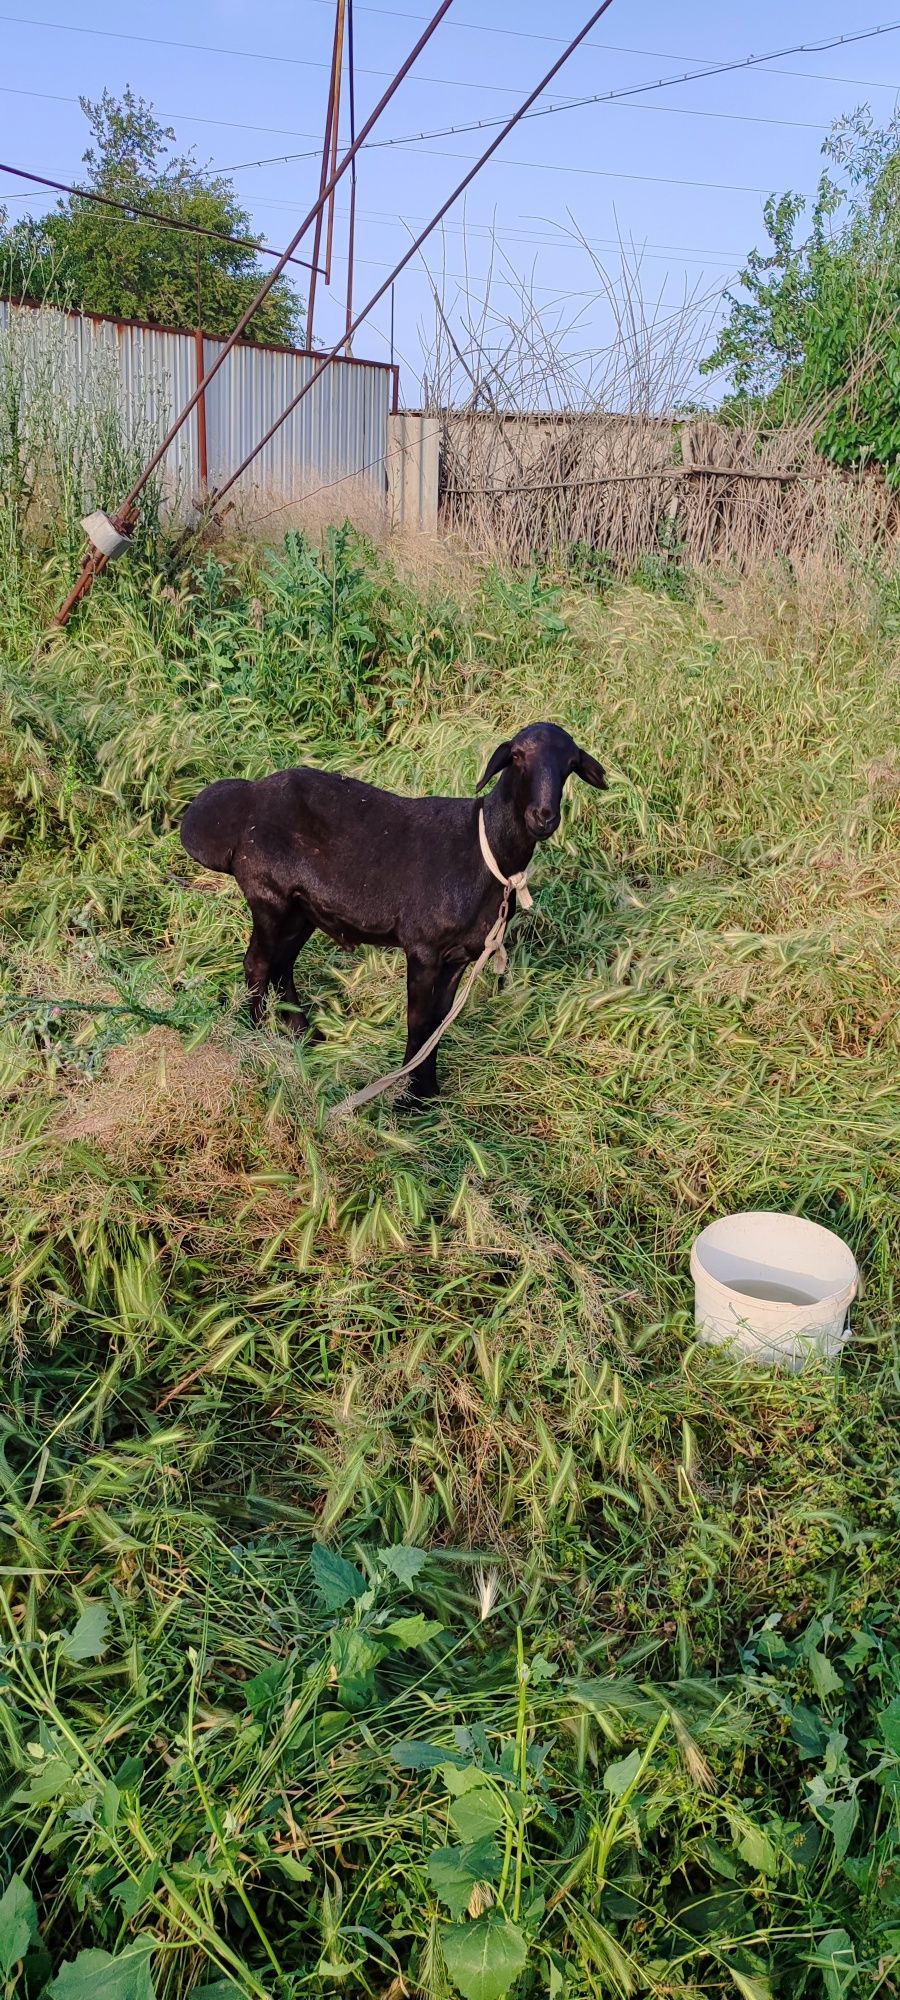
{"x":518,"y":882}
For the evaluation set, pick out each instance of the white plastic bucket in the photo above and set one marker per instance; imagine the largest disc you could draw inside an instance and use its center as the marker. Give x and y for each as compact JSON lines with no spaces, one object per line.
{"x":777,"y":1286}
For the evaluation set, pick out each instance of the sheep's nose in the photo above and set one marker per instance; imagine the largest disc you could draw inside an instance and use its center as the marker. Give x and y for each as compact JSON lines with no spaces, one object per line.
{"x":543,"y":819}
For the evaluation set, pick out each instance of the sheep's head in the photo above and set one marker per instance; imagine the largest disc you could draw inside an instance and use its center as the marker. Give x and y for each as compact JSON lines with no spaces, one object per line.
{"x":540,"y":759}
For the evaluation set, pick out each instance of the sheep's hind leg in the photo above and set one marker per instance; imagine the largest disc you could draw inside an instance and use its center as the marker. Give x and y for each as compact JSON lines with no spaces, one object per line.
{"x":291,"y":938}
{"x":269,"y":960}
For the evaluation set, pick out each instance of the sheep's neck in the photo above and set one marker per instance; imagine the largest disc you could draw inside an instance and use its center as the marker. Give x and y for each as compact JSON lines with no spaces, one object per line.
{"x":511,"y":844}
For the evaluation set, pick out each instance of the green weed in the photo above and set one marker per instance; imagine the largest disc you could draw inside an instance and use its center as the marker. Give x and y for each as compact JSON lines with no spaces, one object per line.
{"x":394,"y":1597}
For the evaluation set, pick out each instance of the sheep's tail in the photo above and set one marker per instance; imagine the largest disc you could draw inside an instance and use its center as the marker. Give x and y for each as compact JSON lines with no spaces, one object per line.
{"x":214,"y":822}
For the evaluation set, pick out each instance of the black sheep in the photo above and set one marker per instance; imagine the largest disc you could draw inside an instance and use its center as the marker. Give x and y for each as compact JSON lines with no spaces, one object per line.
{"x":311,"y":850}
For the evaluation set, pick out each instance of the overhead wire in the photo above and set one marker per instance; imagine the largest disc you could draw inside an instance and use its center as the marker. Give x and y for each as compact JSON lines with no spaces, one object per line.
{"x":608,"y":48}
{"x":624,"y":92}
{"x":440,"y":153}
{"x":245,"y":55}
{"x":310,"y":62}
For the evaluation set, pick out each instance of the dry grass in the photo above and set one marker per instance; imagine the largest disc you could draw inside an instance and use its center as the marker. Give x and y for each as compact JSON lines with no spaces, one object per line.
{"x":156,"y":1099}
{"x":633,"y":487}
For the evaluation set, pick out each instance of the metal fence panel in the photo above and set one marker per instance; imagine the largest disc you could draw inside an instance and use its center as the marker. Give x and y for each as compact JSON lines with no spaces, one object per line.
{"x":338,"y":433}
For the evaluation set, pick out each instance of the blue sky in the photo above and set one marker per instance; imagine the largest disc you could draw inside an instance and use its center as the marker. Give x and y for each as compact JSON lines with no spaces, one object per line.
{"x":680,"y":173}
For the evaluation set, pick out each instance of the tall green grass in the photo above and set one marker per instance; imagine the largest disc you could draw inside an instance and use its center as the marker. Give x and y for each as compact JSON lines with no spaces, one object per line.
{"x":604,"y":1695}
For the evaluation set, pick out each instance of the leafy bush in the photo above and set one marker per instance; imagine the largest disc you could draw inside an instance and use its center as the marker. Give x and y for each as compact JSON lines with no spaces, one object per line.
{"x":817,"y":338}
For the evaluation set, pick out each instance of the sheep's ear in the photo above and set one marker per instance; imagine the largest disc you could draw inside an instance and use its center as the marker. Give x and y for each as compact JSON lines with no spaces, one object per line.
{"x":587,"y":767}
{"x":502,"y":756}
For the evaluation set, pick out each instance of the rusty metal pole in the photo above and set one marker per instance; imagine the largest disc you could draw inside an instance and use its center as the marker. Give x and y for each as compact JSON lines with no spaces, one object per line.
{"x":199,"y":365}
{"x":351,"y":235}
{"x":338,"y":74}
{"x":203,"y":462}
{"x":329,"y":137}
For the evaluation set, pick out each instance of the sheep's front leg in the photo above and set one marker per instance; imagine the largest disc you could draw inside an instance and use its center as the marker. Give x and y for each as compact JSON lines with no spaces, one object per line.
{"x":421,"y":976}
{"x":433,"y":996}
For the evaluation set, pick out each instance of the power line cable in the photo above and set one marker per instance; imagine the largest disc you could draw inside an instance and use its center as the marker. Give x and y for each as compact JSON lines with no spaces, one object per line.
{"x":724,"y":258}
{"x":245,"y":55}
{"x":632,"y":90}
{"x":613,"y":48}
{"x":183,"y":117}
{"x":538,"y":166}
{"x":281,"y":61}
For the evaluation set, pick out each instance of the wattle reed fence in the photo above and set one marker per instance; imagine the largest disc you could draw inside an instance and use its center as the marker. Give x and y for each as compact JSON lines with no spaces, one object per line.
{"x":520,"y":486}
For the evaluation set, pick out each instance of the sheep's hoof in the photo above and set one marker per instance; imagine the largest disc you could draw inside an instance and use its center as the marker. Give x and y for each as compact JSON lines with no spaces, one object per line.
{"x":297,"y":1023}
{"x":422,"y":1099}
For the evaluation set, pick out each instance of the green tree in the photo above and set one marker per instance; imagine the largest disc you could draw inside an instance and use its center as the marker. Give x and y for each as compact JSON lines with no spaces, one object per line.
{"x":87,"y":256}
{"x":815,"y":332}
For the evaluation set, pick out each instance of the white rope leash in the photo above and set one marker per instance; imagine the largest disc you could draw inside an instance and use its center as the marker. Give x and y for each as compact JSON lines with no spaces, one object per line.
{"x":493,"y":947}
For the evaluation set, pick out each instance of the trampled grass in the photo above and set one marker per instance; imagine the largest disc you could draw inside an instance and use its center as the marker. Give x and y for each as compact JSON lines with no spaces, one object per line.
{"x":604,"y":1696}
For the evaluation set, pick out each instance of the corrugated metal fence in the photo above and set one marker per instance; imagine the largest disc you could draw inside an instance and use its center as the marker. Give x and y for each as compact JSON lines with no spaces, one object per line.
{"x":338,"y":433}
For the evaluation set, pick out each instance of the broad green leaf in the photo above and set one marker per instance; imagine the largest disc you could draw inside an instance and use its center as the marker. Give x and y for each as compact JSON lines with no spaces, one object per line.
{"x":355,"y":1658}
{"x":484,"y":1958}
{"x":412,"y":1753}
{"x":716,"y":1859}
{"x":858,"y":1652}
{"x":337,"y":1582}
{"x":618,"y":1777}
{"x":18,"y":1923}
{"x":825,"y":1680}
{"x":542,"y":1669}
{"x":837,"y":1959}
{"x":751,"y":1985}
{"x":51,"y":1779}
{"x":460,"y":1778}
{"x":769,"y":1645}
{"x":804,"y":1844}
{"x":128,"y":1894}
{"x":260,"y":1692}
{"x":414,"y":1631}
{"x":404,"y":1563}
{"x":97,"y":1975}
{"x":889,"y":1723}
{"x":807,"y":1731}
{"x":455,"y":1871}
{"x":129,"y":1774}
{"x":88,"y":1639}
{"x":296,"y":1871}
{"x":721,"y":1912}
{"x":843,"y":1825}
{"x":109,"y":1805}
{"x":477,"y":1813}
{"x":756,"y":1849}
